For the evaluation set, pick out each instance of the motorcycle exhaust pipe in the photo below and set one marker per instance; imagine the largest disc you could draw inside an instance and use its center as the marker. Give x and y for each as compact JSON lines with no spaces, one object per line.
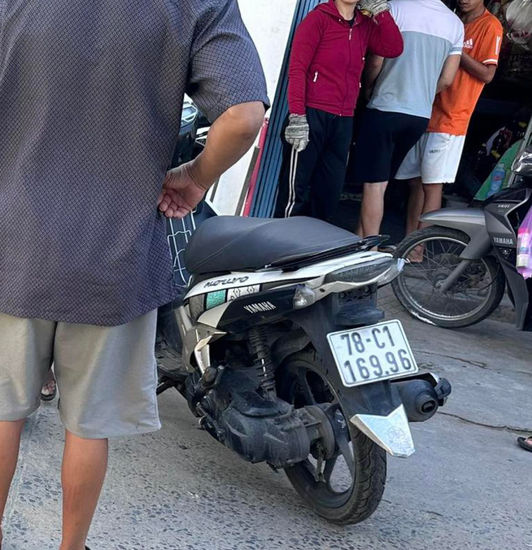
{"x":421,"y":399}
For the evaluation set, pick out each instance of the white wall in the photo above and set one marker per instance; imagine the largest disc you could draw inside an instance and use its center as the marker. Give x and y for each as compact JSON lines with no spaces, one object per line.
{"x":268,"y":22}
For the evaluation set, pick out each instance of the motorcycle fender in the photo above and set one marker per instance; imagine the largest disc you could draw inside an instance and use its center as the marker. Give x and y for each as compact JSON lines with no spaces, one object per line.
{"x":375,"y":409}
{"x":470,"y":221}
{"x":520,"y":291}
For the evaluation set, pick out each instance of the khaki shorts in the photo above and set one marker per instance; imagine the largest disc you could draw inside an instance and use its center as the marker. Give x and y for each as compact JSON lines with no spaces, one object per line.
{"x":106,"y":376}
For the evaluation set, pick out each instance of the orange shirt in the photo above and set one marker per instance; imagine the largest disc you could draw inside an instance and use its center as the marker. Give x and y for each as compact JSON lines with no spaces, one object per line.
{"x":454,"y":106}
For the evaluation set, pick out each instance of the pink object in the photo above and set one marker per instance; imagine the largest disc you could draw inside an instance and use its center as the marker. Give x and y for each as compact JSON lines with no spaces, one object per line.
{"x":255,"y":174}
{"x":524,"y":247}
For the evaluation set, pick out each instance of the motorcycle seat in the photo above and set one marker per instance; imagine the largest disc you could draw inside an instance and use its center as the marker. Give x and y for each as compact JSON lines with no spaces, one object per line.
{"x":232,"y":243}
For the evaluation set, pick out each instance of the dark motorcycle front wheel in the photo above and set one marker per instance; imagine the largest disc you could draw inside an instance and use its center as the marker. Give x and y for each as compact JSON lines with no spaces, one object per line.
{"x":347,"y":487}
{"x":433,"y":254}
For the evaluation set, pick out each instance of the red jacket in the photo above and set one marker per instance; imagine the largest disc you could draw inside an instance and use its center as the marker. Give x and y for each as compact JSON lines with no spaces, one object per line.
{"x":328,"y":58}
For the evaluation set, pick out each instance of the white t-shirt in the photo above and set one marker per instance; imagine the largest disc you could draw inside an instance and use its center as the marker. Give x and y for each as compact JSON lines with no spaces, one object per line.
{"x":431,"y":33}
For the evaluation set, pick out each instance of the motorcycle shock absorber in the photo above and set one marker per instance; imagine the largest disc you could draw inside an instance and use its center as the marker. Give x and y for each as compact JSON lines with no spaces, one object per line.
{"x":263,"y":362}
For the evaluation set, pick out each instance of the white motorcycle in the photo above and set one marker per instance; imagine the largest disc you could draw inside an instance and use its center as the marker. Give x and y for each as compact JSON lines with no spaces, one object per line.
{"x":286,"y":359}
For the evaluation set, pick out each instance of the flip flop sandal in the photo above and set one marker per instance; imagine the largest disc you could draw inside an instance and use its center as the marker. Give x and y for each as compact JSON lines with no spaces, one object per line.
{"x":388,"y":248}
{"x":49,"y":396}
{"x":524,"y":443}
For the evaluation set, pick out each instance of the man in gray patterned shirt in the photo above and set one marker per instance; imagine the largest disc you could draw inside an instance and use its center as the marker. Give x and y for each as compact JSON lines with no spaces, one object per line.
{"x":90,"y":102}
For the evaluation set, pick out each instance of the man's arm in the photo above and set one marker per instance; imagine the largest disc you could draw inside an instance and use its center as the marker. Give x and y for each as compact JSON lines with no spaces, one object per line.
{"x":229,"y":139}
{"x":371,"y":73}
{"x":452,"y":63}
{"x":483,"y":68}
{"x":480,"y":71}
{"x":450,"y":68}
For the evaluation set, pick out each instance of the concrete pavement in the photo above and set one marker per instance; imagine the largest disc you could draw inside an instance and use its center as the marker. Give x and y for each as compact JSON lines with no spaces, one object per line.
{"x":467,"y":487}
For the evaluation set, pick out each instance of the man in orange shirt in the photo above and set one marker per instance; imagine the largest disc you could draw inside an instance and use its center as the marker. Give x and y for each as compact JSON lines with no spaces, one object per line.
{"x":434,"y":160}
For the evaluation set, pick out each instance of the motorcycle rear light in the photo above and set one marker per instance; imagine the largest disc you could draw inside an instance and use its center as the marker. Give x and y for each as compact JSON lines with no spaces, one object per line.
{"x":304,"y":297}
{"x":364,"y":272}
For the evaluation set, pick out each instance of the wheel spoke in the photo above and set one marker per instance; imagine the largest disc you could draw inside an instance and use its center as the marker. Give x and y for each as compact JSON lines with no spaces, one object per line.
{"x":419,"y":288}
{"x":328,"y":470}
{"x":345,"y":450}
{"x":304,"y":386}
{"x":311,"y":468}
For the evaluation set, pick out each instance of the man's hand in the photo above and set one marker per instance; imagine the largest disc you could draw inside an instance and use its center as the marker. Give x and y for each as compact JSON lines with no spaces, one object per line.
{"x":297,"y":132}
{"x":371,"y":8}
{"x":181,"y":192}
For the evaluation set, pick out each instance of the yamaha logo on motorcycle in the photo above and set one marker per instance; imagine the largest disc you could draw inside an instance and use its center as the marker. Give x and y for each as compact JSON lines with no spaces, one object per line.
{"x":462,"y":263}
{"x":290,"y":362}
{"x":262,"y":307}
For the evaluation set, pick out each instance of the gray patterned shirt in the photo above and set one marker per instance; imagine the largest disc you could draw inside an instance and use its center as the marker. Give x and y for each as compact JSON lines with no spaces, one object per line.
{"x":90,"y":103}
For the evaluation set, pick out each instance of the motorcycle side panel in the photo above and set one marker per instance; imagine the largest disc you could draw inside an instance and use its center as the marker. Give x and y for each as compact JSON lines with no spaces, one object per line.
{"x":246,"y":279}
{"x":248,"y":311}
{"x":470,"y":221}
{"x":504,"y":237}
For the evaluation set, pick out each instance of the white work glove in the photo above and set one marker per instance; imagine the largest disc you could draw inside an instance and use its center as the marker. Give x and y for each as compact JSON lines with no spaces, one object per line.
{"x":297,"y":132}
{"x":371,"y":8}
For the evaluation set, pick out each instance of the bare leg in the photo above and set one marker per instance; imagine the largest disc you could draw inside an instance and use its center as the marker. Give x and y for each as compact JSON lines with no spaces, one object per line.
{"x":423,"y":199}
{"x":9,"y":447}
{"x":372,"y":210}
{"x":416,"y":201}
{"x":433,"y":198}
{"x":84,"y":467}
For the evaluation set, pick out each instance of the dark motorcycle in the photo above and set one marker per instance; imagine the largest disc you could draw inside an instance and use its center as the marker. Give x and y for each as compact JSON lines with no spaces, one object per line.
{"x":459,"y":268}
{"x":280,"y":350}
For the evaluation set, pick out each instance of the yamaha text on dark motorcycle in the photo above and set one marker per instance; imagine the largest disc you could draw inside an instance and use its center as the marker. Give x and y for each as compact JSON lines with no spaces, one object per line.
{"x":287,"y":360}
{"x":460,"y":266}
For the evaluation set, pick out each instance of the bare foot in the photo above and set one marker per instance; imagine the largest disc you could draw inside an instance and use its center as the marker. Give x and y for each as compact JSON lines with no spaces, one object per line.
{"x":416,"y":254}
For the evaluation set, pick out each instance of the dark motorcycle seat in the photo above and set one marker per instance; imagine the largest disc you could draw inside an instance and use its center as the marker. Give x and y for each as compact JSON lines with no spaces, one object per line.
{"x":232,"y":243}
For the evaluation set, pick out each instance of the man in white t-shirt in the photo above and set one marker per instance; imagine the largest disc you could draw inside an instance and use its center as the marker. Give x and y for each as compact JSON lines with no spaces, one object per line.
{"x":400,"y":107}
{"x":435,"y":159}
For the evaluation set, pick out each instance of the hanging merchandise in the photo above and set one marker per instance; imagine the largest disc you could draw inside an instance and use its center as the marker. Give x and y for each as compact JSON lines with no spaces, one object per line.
{"x":515,"y":64}
{"x":519,"y":18}
{"x":497,"y":179}
{"x":524,"y":247}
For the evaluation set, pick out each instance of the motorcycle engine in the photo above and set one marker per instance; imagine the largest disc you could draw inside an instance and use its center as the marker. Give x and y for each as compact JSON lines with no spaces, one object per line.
{"x":260,"y":427}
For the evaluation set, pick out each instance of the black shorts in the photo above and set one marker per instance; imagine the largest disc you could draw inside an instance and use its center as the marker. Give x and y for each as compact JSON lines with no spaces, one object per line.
{"x":383,"y":142}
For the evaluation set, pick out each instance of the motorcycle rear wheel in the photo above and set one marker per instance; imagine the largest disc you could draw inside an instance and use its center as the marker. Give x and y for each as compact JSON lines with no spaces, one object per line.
{"x":346,"y":499}
{"x":474,"y":297}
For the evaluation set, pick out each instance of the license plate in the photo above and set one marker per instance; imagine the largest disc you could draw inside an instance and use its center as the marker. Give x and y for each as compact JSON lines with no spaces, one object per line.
{"x":371,"y":354}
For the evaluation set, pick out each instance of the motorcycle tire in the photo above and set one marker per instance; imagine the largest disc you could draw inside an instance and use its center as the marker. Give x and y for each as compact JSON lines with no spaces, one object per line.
{"x":421,"y":307}
{"x":358,"y":500}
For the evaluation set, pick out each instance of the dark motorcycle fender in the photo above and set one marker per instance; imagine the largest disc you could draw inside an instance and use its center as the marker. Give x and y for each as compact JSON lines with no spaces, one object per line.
{"x":380,"y":398}
{"x":520,"y":290}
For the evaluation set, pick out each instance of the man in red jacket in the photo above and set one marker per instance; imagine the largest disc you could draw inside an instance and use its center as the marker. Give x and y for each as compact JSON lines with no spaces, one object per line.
{"x":325,"y":70}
